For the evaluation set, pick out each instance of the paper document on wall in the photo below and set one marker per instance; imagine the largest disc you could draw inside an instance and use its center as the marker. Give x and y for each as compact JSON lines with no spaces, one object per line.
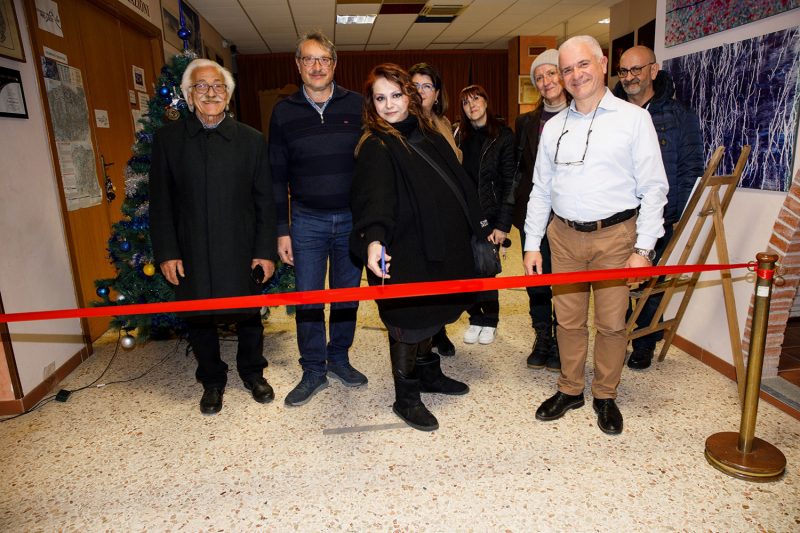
{"x":71,"y":128}
{"x":48,"y":17}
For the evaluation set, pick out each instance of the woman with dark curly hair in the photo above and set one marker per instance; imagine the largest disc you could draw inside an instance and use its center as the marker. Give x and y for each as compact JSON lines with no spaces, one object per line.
{"x":414,"y":211}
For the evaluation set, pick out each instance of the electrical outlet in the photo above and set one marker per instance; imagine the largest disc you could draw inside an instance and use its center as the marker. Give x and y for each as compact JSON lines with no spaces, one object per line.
{"x":48,"y":370}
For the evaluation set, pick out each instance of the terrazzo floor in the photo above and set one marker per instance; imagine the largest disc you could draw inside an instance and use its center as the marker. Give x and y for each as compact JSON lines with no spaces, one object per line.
{"x":138,"y":456}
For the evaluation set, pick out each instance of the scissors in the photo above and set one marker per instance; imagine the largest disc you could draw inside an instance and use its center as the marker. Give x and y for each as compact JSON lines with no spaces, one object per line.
{"x":383,"y":264}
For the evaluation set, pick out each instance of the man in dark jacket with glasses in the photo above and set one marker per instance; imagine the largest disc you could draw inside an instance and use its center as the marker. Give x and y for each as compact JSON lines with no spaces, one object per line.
{"x":641,"y":82}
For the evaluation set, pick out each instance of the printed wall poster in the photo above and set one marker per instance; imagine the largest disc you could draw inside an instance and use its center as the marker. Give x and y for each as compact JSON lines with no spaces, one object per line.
{"x":746,"y":93}
{"x":687,"y":20}
{"x":70,"y":116}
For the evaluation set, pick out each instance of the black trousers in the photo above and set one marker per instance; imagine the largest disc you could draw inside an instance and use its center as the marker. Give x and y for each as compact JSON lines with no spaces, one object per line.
{"x":540,"y":299}
{"x":212,"y":371}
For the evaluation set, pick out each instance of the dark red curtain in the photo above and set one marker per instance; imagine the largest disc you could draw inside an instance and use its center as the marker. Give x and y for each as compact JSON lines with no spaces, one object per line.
{"x":458,"y":68}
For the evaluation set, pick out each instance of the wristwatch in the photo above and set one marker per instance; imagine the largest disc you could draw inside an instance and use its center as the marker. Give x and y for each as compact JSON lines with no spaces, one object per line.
{"x":650,"y":255}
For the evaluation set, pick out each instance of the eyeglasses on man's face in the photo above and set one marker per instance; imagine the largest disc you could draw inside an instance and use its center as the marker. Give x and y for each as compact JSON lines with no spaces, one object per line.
{"x":424,"y":87}
{"x":634,"y":71}
{"x":202,"y":88}
{"x":324,"y":61}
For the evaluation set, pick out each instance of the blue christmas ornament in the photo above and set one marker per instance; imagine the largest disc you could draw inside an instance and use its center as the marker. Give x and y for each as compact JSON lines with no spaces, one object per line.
{"x":184,"y":34}
{"x":102,"y":292}
{"x":163,"y":92}
{"x":125,"y":246}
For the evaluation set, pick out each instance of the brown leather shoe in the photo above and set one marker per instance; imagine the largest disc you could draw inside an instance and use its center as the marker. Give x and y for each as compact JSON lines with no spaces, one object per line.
{"x":554,"y":407}
{"x":609,"y":419}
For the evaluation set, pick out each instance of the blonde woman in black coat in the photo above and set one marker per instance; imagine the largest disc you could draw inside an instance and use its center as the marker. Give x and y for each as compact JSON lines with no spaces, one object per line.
{"x":409,"y":226}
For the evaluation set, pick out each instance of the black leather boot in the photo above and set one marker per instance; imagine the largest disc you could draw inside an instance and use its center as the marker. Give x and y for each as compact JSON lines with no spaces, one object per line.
{"x":429,"y":370}
{"x":542,"y":345}
{"x":554,"y":359}
{"x":408,"y":404}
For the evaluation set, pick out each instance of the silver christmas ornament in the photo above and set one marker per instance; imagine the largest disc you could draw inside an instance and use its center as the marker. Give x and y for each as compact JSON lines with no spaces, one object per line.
{"x":127,"y":342}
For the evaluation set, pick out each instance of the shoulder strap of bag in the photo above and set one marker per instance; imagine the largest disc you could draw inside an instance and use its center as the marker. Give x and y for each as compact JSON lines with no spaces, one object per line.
{"x":448,"y":181}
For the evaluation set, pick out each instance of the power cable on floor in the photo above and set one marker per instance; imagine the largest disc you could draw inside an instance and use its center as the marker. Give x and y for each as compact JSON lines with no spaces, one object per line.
{"x":63,"y":394}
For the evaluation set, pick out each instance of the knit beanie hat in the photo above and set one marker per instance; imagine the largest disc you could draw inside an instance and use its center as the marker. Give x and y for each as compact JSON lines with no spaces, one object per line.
{"x":548,"y":57}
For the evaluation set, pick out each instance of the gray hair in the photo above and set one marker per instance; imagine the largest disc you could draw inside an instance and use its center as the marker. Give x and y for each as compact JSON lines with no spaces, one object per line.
{"x":586,"y":40}
{"x":318,"y":37}
{"x":187,"y":81}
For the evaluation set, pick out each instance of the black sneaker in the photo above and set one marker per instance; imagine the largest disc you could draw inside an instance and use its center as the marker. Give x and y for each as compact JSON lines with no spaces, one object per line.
{"x":309,"y":385}
{"x":348,"y":375}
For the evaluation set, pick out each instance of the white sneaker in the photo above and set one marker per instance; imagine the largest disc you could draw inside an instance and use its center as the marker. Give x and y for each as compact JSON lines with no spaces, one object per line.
{"x":487,"y":335}
{"x":472,"y":334}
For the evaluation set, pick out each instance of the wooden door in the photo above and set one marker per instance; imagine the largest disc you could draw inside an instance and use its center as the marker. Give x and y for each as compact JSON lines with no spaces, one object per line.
{"x":93,"y":43}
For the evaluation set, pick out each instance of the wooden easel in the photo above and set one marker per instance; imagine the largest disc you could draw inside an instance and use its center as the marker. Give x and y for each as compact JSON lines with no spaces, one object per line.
{"x":720,"y":191}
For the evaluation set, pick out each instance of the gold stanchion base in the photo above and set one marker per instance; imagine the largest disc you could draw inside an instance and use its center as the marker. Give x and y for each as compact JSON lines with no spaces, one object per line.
{"x":764,"y":463}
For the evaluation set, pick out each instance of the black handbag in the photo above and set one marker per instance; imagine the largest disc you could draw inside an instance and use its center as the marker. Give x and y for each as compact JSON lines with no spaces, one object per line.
{"x":486,"y":254}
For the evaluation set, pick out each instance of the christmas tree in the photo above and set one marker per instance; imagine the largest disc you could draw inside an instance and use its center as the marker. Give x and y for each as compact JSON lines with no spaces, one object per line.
{"x":130,"y":250}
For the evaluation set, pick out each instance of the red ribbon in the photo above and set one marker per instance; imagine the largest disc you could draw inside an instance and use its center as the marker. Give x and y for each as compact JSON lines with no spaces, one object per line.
{"x":377,"y":292}
{"x":766,"y":273}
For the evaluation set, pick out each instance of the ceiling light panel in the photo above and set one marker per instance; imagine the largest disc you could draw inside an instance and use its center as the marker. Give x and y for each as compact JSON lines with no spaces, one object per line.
{"x":316,"y":15}
{"x":358,"y":9}
{"x":390,"y":29}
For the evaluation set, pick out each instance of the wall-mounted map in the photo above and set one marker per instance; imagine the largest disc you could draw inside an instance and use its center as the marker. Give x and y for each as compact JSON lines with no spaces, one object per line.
{"x":70,"y":116}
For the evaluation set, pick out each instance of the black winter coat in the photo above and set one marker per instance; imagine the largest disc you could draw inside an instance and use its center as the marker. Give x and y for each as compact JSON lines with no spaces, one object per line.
{"x":681,"y":141}
{"x":498,"y":163}
{"x":399,"y":200}
{"x":211,"y":206}
{"x":527,"y":127}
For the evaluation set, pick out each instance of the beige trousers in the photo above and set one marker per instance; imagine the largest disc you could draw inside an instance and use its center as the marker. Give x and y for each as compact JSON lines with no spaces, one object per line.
{"x":575,"y":251}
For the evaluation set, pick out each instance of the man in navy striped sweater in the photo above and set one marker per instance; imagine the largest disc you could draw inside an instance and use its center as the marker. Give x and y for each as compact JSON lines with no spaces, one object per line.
{"x":312,"y":139}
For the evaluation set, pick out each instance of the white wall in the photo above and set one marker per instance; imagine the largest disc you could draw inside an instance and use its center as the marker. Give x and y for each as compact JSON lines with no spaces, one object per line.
{"x":750,"y":217}
{"x":35,"y":271}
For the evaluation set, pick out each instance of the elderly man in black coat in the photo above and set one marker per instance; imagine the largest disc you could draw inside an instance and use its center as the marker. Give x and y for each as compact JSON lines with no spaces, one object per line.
{"x":212,"y":222}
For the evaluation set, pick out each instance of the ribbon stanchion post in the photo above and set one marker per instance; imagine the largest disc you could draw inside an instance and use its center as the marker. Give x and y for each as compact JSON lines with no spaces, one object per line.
{"x":743,"y":455}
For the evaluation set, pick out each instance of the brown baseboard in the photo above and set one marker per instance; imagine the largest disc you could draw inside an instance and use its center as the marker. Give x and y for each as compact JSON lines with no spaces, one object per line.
{"x":728,"y":370}
{"x":20,"y":405}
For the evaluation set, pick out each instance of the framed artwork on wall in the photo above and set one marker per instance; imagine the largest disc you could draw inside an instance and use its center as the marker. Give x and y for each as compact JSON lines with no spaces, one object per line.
{"x":172,"y":24}
{"x":687,"y":20}
{"x":527,"y":92}
{"x":646,"y":35}
{"x":618,"y":46}
{"x":758,"y":106}
{"x":10,"y":38}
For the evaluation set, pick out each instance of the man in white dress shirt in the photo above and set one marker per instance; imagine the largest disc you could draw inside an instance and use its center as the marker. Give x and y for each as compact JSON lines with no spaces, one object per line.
{"x":599,"y":169}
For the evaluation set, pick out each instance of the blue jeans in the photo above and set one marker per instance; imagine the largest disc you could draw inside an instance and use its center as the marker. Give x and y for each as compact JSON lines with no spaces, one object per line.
{"x":320,"y":237}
